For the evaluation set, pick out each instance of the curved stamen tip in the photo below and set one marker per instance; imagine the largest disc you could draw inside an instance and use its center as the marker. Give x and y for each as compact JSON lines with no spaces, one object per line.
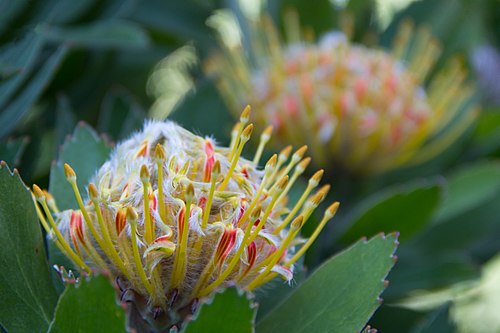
{"x":69,"y":172}
{"x":132,"y":215}
{"x":282,"y":183}
{"x":38,"y":192}
{"x":247,"y":132}
{"x":216,"y":168}
{"x":271,"y":163}
{"x":144,"y":173}
{"x":160,"y":153}
{"x":332,"y":209}
{"x":302,"y":166}
{"x":297,"y":223}
{"x":245,"y":115}
{"x":300,"y":153}
{"x":190,"y":192}
{"x":316,"y":178}
{"x":93,"y":193}
{"x":285,"y":152}
{"x":266,"y":134}
{"x":256,"y":212}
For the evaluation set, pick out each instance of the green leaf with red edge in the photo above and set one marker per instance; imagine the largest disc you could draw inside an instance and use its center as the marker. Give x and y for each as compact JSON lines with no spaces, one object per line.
{"x":341,"y":295}
{"x":89,"y":306}
{"x":28,"y":297}
{"x":85,"y":152}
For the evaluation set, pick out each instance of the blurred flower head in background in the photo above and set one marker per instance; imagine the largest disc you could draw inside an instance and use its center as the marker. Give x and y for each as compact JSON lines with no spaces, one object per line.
{"x":366,"y":110}
{"x":172,"y":217}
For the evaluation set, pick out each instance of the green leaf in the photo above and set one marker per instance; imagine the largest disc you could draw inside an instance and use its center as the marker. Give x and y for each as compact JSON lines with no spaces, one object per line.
{"x":468,"y":188}
{"x":120,"y":114}
{"x":341,"y":295}
{"x":9,"y":11}
{"x":272,"y":293}
{"x":85,"y":151}
{"x":15,"y":111}
{"x":105,"y":34}
{"x":487,"y":135}
{"x":229,"y":311}
{"x":89,"y":306}
{"x":28,"y":296}
{"x":18,"y":60}
{"x":184,"y":20}
{"x":12,"y":150}
{"x":405,"y":209}
{"x":414,"y":273}
{"x":436,"y":321}
{"x":476,"y":310}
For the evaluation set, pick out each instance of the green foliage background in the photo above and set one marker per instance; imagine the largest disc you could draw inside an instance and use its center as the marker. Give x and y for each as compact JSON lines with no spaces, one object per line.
{"x":65,"y":61}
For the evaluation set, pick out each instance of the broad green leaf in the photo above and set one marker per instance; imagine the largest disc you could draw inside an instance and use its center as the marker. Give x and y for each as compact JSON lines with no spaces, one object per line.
{"x":487,"y":134}
{"x":341,"y":295}
{"x":468,"y":188}
{"x":229,"y":311}
{"x":89,"y":306}
{"x":105,"y":34}
{"x":85,"y":152}
{"x":28,"y":297}
{"x":404,"y":209}
{"x":12,"y":150}
{"x":15,"y":111}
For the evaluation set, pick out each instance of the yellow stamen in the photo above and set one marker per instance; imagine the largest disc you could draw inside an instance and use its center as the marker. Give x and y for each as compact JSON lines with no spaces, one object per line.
{"x":296,"y":157}
{"x":51,"y":202}
{"x":179,"y":270}
{"x":67,"y":249}
{"x":299,"y":170}
{"x":42,"y":219}
{"x":280,"y":186}
{"x":255,"y":215}
{"x":297,"y":223}
{"x":268,"y":170}
{"x":132,"y":220}
{"x":244,"y":137}
{"x":313,"y":182}
{"x":282,"y":157}
{"x":161,"y":157}
{"x":208,"y":205}
{"x":245,"y":116}
{"x":109,"y":246}
{"x":329,"y":214}
{"x":264,"y":139}
{"x":149,"y":233}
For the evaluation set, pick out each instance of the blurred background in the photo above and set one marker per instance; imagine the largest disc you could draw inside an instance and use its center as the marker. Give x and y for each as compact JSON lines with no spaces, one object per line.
{"x":115,"y":63}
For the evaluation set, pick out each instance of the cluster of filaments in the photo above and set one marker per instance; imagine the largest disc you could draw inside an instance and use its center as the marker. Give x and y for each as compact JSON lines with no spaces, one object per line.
{"x":174,"y":217}
{"x":367,"y":109}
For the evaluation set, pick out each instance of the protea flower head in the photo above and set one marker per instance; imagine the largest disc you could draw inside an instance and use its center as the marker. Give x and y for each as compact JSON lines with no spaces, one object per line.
{"x":172,"y":216}
{"x":368,"y":109}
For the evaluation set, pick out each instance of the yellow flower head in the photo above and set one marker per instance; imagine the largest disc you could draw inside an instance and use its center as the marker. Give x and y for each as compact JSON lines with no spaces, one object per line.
{"x":367,"y":109}
{"x":173,"y":216}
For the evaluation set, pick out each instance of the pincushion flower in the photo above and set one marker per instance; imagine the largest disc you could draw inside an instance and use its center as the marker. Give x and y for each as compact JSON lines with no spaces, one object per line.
{"x":368,"y":109}
{"x":172,"y":216}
